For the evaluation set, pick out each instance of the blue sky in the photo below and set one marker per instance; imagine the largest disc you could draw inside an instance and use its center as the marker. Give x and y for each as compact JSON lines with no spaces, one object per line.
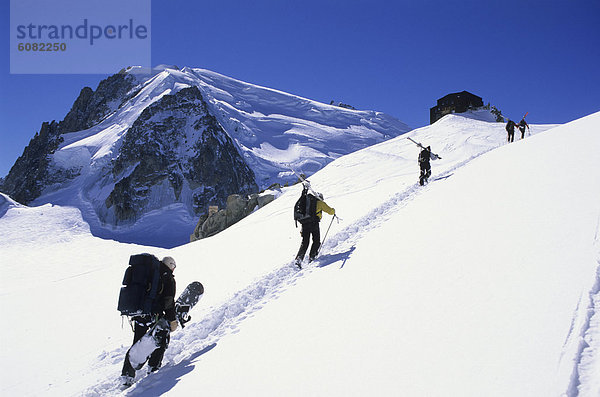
{"x":398,"y":57}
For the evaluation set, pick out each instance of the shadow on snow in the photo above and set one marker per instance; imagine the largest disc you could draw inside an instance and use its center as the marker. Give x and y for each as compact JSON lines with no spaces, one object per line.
{"x":330,"y":259}
{"x":164,"y":380}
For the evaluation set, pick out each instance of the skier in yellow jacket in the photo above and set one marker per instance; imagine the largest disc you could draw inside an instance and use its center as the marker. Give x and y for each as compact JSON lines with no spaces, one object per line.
{"x":312,"y":207}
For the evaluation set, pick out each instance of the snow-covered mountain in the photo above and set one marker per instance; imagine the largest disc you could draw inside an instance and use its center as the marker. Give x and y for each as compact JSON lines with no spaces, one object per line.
{"x":172,"y":142}
{"x":483,"y":283}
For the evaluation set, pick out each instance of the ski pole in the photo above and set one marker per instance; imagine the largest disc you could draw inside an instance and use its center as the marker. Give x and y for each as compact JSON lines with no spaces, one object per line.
{"x":323,"y":242}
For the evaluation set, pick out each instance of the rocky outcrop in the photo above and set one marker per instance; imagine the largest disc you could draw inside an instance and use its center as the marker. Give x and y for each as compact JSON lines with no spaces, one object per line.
{"x":31,"y":172}
{"x":91,"y":106}
{"x":176,"y":151}
{"x":238,"y":207}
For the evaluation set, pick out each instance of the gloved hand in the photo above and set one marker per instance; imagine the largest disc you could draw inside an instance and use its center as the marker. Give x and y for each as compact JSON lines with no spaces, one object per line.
{"x":173,"y":325}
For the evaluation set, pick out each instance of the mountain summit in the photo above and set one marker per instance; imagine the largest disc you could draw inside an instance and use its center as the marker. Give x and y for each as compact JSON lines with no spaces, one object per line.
{"x":148,"y":151}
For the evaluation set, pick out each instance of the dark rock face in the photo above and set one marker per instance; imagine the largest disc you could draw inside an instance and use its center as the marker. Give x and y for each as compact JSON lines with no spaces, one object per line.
{"x":31,"y":172}
{"x":29,"y":175}
{"x":176,"y":151}
{"x":91,"y":107}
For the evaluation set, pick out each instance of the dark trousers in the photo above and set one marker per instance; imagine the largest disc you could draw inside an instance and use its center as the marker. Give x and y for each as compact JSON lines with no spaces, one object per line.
{"x":425,"y":174}
{"x":511,"y":136}
{"x":155,"y":359}
{"x":522,"y":132}
{"x":309,"y":229}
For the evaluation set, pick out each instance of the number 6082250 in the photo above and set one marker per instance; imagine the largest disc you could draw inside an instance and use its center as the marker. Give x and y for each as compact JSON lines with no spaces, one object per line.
{"x":42,"y":47}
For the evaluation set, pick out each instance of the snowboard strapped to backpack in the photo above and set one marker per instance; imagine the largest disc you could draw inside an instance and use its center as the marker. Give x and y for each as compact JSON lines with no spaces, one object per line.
{"x":305,"y":209}
{"x":141,"y":286}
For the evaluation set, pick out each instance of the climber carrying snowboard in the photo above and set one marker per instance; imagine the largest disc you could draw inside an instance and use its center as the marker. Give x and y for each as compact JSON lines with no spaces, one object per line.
{"x":308,"y":211}
{"x":157,"y":313}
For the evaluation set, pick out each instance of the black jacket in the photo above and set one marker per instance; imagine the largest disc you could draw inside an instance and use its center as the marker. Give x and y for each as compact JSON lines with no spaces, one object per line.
{"x":167,"y":293}
{"x":522,"y":124}
{"x":510,"y":126}
{"x":424,"y":158}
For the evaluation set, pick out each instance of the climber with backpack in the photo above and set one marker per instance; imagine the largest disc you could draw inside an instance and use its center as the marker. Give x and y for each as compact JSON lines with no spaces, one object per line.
{"x":425,"y":165}
{"x":148,"y":298}
{"x":522,"y":125}
{"x":308,"y":211}
{"x":510,"y":128}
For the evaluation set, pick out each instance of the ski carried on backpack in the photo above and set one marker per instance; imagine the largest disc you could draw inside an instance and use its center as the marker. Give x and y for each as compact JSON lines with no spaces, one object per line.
{"x":423,"y":147}
{"x":528,"y":129}
{"x":305,"y":206}
{"x":305,"y":182}
{"x":305,"y":209}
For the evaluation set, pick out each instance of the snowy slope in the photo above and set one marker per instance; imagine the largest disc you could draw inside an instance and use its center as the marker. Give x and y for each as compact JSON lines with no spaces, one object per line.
{"x":482,"y":283}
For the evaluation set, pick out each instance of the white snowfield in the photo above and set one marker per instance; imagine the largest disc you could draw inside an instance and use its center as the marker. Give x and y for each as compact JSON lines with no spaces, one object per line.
{"x":482,"y":283}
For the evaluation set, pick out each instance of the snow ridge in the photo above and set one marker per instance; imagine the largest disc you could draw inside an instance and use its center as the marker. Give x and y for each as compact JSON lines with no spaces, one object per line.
{"x":584,"y":378}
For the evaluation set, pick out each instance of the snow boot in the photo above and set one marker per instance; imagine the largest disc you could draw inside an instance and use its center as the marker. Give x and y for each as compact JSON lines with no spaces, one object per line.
{"x":126,"y":380}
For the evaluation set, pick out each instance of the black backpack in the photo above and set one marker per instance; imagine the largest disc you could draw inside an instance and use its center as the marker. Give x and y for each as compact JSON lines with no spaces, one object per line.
{"x":424,"y":156}
{"x":141,"y":286}
{"x":305,"y":209}
{"x":510,"y":126}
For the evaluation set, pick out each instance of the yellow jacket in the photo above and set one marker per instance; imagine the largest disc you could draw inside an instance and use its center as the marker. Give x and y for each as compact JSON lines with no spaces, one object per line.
{"x":322,"y":206}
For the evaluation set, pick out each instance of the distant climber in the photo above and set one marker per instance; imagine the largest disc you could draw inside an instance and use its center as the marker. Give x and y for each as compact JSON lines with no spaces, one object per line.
{"x":522,"y":125}
{"x":308,"y":211}
{"x":424,"y":164}
{"x":510,"y":128}
{"x":424,"y":156}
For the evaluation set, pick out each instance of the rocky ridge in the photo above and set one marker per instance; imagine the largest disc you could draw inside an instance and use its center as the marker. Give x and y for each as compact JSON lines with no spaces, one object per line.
{"x":177,"y":145}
